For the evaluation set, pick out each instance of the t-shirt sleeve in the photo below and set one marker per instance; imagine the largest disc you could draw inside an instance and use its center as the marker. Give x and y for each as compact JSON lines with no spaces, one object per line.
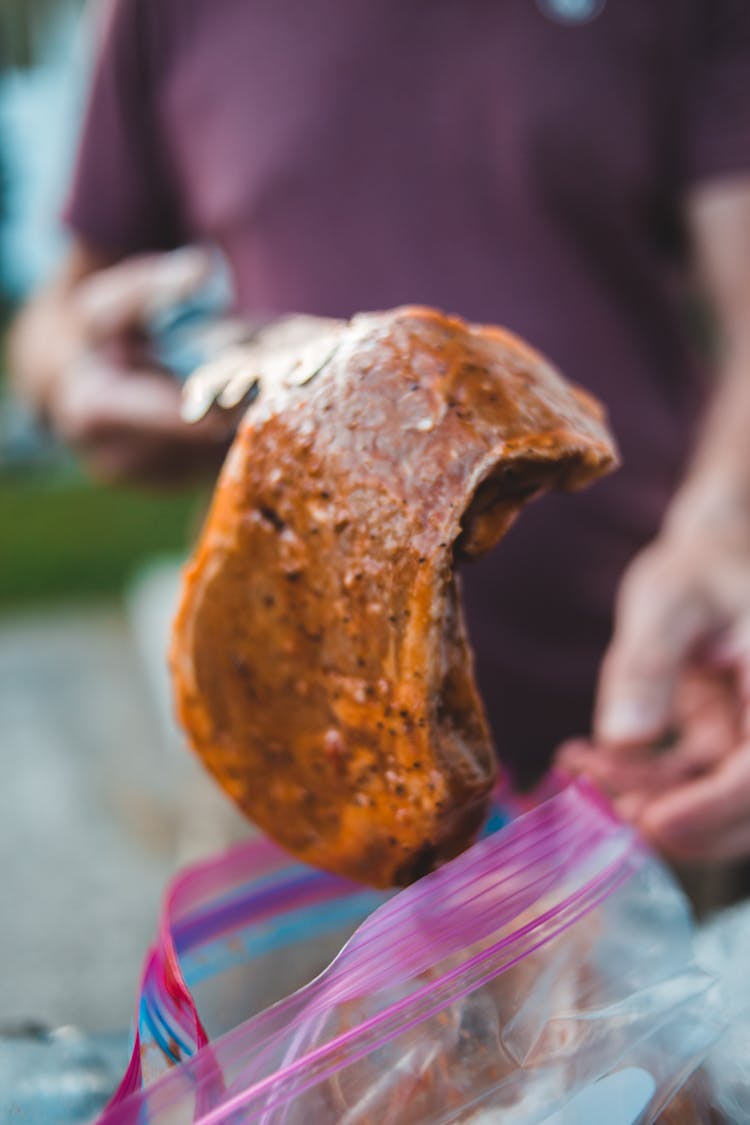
{"x":718,"y":133}
{"x":121,"y":199}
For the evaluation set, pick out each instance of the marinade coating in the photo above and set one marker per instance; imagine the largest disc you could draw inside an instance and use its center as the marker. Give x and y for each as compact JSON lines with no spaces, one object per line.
{"x":320,"y":662}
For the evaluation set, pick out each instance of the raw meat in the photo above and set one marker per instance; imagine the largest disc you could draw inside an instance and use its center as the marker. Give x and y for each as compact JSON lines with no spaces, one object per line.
{"x":320,"y":661}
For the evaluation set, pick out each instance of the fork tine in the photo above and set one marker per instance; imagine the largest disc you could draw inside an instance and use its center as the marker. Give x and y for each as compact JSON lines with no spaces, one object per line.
{"x":197,"y":400}
{"x":202,"y":390}
{"x":237,"y":389}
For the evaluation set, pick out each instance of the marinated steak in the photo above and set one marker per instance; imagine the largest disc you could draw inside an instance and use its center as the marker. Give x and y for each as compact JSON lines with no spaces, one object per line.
{"x":320,"y":661}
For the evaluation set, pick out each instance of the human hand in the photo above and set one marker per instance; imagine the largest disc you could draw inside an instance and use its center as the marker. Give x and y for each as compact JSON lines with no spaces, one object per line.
{"x":672,"y":724}
{"x":109,"y":400}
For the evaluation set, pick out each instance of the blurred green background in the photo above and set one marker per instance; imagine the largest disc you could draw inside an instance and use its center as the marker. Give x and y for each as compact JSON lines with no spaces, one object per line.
{"x":68,"y":538}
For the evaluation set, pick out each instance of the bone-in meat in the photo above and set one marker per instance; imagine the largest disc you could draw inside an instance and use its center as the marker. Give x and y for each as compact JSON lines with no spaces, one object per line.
{"x":320,"y":661}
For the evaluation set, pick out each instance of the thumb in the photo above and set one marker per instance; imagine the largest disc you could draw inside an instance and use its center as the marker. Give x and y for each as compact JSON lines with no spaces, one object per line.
{"x":661,"y":615}
{"x":126,"y":295}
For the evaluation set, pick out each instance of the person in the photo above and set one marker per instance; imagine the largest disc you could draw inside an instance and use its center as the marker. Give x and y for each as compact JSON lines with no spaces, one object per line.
{"x":577,"y":170}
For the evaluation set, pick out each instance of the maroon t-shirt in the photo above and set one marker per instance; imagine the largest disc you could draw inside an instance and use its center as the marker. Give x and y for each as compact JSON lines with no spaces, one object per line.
{"x":514,"y":161}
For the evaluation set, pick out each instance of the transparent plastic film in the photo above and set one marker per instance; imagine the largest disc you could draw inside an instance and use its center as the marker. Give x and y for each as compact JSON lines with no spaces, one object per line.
{"x":550,"y":964}
{"x":235,"y":934}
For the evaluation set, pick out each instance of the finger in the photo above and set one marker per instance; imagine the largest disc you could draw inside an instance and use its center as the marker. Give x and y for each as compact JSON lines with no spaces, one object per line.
{"x":124,"y":457}
{"x":730,"y":656}
{"x":730,"y":843}
{"x":571,"y":747}
{"x":732,"y":653}
{"x":619,"y":774}
{"x":581,"y":757}
{"x":702,"y":688}
{"x":660,"y":617}
{"x":126,"y":295}
{"x":150,"y":404}
{"x":100,"y":400}
{"x":572,"y":757}
{"x":630,"y":806}
{"x":704,"y":817}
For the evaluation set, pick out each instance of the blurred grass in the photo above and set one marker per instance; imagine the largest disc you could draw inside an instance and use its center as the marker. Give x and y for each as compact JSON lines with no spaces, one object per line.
{"x":64,"y":537}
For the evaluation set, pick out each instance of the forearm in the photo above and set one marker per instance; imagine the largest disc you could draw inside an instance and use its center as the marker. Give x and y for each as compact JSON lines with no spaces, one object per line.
{"x":716,"y":492}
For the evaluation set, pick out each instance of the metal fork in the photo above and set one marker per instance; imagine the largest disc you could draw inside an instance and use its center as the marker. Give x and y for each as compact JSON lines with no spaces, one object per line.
{"x":287,"y":353}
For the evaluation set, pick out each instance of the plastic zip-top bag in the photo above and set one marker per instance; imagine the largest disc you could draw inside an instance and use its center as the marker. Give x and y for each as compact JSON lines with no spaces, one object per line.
{"x":235,"y":934}
{"x":722,"y":946}
{"x":546,"y":975}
